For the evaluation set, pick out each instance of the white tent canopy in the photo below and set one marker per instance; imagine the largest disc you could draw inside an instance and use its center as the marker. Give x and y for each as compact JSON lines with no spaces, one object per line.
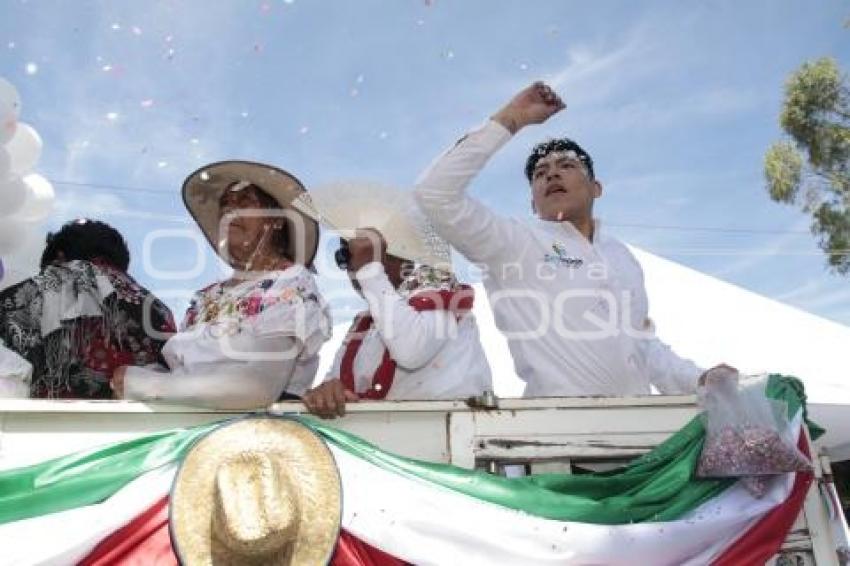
{"x":711,"y":321}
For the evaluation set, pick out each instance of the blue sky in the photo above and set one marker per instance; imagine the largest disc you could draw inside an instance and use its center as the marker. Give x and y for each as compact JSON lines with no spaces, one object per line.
{"x":676,"y":101}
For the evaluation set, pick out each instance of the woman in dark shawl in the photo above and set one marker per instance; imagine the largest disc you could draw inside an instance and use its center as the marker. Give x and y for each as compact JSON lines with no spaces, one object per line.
{"x":82,"y":315}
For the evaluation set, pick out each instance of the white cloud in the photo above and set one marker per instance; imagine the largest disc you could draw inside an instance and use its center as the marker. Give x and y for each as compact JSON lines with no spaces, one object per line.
{"x":95,"y":204}
{"x":672,"y":112}
{"x":102,"y":205}
{"x":117,"y":117}
{"x":754,"y":256}
{"x":817,"y":294}
{"x":812,"y":287}
{"x":593,"y":74}
{"x":635,"y":83}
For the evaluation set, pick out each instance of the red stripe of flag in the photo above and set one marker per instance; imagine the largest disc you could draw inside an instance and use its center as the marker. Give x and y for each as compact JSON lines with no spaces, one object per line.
{"x":763,"y":540}
{"x":146,"y":541}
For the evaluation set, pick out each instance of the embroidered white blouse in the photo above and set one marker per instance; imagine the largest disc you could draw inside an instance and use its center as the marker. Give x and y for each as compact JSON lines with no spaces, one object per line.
{"x":242,"y":344}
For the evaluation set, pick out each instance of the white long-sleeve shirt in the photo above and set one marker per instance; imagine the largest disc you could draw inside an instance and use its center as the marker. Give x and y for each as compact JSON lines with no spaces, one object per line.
{"x":245,"y":345}
{"x":575,"y":312}
{"x":437,"y":356}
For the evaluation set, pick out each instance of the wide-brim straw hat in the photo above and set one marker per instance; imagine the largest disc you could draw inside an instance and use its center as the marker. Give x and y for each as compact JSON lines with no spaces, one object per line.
{"x":347,"y":206}
{"x":202,"y":191}
{"x":260,"y":490}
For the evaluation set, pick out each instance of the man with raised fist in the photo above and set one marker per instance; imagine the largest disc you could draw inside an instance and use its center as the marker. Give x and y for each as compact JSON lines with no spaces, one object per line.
{"x":569,"y":297}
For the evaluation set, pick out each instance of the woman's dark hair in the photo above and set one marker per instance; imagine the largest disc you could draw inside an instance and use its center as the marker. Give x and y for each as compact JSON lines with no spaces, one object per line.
{"x":87,"y":240}
{"x":279,"y":239}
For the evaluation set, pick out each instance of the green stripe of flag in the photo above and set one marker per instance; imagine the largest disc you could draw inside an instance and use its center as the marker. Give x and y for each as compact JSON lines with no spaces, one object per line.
{"x":88,"y":477}
{"x":658,"y":486}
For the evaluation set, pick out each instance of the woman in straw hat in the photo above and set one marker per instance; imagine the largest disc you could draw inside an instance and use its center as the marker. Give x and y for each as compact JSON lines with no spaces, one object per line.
{"x":418,"y":339}
{"x":254,"y":338}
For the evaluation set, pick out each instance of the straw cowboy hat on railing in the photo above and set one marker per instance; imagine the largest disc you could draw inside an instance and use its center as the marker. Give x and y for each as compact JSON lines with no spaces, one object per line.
{"x":260,"y":490}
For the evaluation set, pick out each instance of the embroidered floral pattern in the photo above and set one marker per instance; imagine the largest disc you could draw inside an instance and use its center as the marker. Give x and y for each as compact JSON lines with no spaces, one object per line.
{"x":238,"y":301}
{"x":432,"y":279}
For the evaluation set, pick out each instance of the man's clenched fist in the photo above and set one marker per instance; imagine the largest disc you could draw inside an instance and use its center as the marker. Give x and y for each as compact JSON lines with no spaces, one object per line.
{"x":532,"y":105}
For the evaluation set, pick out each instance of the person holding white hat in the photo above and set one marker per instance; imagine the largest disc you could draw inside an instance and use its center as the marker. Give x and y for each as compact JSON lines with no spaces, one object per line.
{"x":418,"y":339}
{"x":253,"y":338}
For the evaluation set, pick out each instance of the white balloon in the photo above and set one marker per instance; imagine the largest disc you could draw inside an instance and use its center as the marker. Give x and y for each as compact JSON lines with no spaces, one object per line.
{"x":39,"y":201}
{"x":8,"y":127}
{"x":24,"y":149}
{"x":9,"y":97}
{"x":10,"y":109}
{"x":5,"y":164}
{"x":14,"y":233}
{"x":23,"y":261}
{"x":13,"y":193}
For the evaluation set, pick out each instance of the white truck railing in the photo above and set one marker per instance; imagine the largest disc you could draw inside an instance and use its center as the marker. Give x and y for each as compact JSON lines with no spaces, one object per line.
{"x":553,"y":434}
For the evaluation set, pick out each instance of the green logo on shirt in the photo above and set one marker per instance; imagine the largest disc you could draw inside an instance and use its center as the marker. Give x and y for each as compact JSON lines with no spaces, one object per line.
{"x":560,"y":257}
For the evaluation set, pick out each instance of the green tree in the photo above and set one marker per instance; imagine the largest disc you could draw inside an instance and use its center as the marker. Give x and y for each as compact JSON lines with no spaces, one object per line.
{"x":812,"y":168}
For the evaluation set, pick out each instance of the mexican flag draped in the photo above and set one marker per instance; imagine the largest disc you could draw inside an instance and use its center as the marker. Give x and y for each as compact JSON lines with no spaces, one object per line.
{"x":110,"y":506}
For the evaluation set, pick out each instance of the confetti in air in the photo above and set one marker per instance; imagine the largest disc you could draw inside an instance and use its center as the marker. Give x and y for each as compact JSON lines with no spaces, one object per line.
{"x":112,"y":116}
{"x":383,"y":135}
{"x":162,"y":164}
{"x":354,"y":92}
{"x":194,"y":141}
{"x":116,"y":27}
{"x":147,"y":103}
{"x":523,"y":67}
{"x":137,"y":30}
{"x":448,"y":54}
{"x":11,"y":45}
{"x":303,"y":130}
{"x":31,"y":68}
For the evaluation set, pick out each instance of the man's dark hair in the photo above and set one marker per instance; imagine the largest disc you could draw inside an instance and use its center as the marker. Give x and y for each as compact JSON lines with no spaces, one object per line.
{"x":87,"y":240}
{"x":543,"y":149}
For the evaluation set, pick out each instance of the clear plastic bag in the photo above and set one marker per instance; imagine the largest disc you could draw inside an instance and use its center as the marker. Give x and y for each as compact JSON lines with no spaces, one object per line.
{"x":747,"y":434}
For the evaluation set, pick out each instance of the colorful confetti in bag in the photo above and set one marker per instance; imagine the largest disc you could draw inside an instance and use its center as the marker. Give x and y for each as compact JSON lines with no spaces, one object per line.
{"x":747,"y":434}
